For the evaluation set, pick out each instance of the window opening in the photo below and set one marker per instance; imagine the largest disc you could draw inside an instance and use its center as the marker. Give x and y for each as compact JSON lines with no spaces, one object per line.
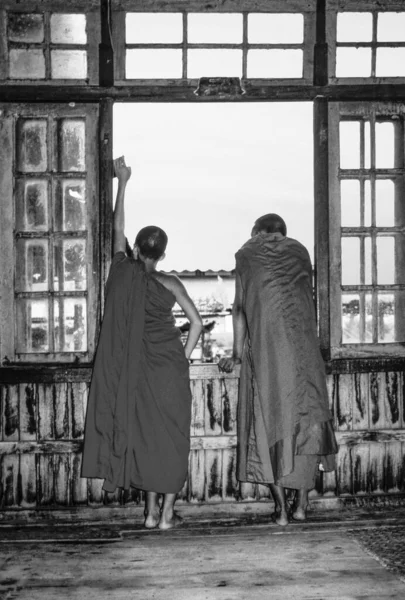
{"x":205,"y":173}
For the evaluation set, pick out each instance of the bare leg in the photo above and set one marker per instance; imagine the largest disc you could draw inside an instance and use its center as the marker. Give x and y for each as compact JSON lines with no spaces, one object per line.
{"x":169,"y":518}
{"x":280,"y":516}
{"x":300,"y":506}
{"x":152,"y":511}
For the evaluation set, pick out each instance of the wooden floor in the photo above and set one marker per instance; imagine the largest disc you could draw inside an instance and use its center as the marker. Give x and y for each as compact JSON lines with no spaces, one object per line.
{"x":198,"y":563}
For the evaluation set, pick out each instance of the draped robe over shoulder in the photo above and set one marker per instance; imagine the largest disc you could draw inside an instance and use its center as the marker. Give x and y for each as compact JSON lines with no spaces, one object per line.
{"x":283,"y":403}
{"x":139,"y":410}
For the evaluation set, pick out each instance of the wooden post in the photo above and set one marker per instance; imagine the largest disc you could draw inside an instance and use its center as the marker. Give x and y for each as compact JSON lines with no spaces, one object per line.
{"x":106,"y":203}
{"x":321,"y":47}
{"x":106,"y":52}
{"x":321,"y":193}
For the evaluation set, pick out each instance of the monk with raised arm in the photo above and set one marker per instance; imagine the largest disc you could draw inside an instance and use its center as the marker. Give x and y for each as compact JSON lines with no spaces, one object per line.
{"x":138,"y":419}
{"x":284,"y":422}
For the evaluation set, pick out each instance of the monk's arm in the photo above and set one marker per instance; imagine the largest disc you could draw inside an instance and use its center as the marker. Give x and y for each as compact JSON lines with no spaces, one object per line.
{"x":238,"y":321}
{"x":123,"y":174}
{"x":192,"y":314}
{"x":239,"y":330}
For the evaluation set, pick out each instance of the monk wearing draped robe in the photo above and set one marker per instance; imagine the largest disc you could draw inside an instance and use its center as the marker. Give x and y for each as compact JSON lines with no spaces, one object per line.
{"x":285,"y":431}
{"x":139,"y":410}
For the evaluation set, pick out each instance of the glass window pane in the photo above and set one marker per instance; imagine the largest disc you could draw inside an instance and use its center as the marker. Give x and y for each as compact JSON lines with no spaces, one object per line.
{"x":72,"y":145}
{"x":70,"y":327}
{"x":367,"y":261}
{"x":70,"y":205}
{"x":32,"y":325}
{"x":353,"y":62}
{"x":384,"y":146}
{"x":367,"y":203}
{"x":275,"y":64}
{"x":386,"y":318}
{"x":390,"y":62}
{"x":32,"y":205}
{"x":32,"y":265}
{"x":391,"y":322}
{"x":275,"y":28}
{"x":154,"y":64}
{"x":32,"y":145}
{"x":214,"y":63}
{"x":367,"y":145}
{"x":350,"y":202}
{"x":27,"y":64}
{"x":349,"y":132}
{"x":385,"y":260}
{"x":391,"y":27}
{"x":217,"y":28}
{"x":385,"y":203}
{"x":350,"y":318}
{"x":68,"y":64}
{"x":368,"y":319}
{"x":350,"y":261}
{"x":154,"y":28}
{"x":354,"y":27}
{"x":70,"y":265}
{"x":27,"y":28}
{"x":68,"y":29}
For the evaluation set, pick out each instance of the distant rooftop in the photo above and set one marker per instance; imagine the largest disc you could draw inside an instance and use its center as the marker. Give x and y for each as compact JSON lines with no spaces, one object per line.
{"x":208,"y":274}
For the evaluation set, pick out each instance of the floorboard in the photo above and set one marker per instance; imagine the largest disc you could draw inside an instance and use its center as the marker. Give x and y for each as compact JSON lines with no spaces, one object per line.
{"x":246,"y":563}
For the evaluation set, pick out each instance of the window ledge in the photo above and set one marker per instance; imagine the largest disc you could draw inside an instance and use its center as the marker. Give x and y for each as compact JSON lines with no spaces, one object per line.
{"x":365,"y":365}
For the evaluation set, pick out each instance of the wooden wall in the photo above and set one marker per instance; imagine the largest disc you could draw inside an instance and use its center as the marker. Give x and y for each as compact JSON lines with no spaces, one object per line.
{"x":41,"y":431}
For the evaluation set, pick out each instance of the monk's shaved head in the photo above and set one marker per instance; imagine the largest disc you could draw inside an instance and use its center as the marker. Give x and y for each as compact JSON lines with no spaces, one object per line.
{"x":270,"y":223}
{"x":151,"y":242}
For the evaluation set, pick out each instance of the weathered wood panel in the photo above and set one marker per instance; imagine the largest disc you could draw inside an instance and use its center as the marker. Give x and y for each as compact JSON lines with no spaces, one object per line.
{"x":10,"y":414}
{"x":42,"y":425}
{"x":216,"y":5}
{"x":28,"y":480}
{"x":394,"y":467}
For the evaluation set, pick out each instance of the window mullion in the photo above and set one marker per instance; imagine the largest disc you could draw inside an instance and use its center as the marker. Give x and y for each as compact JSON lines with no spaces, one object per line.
{"x":185,"y":44}
{"x":245,"y":45}
{"x":47,"y":49}
{"x":374,"y":274}
{"x":374,"y":45}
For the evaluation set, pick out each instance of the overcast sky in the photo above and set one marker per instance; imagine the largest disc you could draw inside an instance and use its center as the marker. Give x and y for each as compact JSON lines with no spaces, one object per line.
{"x":205,"y":172}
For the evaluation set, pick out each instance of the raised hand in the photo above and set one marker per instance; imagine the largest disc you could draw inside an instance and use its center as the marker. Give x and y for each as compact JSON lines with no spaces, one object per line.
{"x":121,"y":170}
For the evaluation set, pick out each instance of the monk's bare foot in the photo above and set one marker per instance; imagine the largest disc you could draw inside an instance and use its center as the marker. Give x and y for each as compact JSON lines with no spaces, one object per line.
{"x":280,"y":517}
{"x":152,"y":519}
{"x":168,"y":522}
{"x":299,"y":514}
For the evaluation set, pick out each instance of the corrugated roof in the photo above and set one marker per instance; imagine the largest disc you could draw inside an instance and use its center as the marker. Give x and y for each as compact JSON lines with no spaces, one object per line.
{"x":197,"y":273}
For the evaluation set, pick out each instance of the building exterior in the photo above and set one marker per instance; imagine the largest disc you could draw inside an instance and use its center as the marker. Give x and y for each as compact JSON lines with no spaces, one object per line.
{"x":62,"y":68}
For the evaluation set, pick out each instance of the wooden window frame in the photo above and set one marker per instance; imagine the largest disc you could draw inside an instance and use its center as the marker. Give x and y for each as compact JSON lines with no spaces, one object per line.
{"x":89,"y":8}
{"x":350,"y":111}
{"x":335,"y":6}
{"x":306,"y":8}
{"x":8,"y":352}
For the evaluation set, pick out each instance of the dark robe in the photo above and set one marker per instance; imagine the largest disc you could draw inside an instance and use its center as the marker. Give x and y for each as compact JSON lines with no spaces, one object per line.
{"x":139,"y":409}
{"x":283,"y":407}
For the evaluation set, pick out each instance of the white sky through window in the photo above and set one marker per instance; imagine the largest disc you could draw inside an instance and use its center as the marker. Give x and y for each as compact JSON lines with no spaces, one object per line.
{"x":205,"y":172}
